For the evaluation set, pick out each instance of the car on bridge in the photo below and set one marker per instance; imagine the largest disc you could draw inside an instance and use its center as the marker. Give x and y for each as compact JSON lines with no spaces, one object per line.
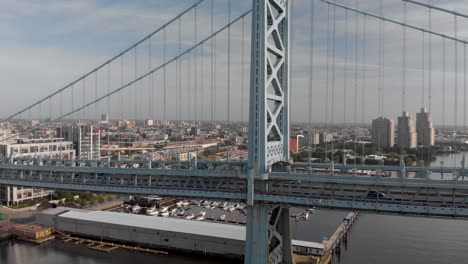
{"x":375,"y":194}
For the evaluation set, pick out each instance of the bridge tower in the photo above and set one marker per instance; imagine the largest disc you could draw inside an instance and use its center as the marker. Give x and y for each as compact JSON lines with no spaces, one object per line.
{"x":268,"y":238}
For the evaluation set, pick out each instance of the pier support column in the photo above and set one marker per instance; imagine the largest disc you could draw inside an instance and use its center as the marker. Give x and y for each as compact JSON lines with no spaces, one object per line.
{"x":268,"y":238}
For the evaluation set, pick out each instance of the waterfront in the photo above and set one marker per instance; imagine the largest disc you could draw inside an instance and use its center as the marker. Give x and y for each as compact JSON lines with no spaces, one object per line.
{"x":376,"y":238}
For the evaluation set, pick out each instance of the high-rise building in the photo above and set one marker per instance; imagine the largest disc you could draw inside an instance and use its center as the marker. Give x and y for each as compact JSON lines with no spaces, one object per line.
{"x":425,"y":128}
{"x":104,"y":118}
{"x":383,"y":132}
{"x":325,"y":137}
{"x":46,"y":148}
{"x":406,"y":131}
{"x":86,"y":141}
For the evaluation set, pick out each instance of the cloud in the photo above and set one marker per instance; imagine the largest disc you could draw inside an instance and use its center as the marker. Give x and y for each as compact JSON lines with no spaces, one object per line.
{"x":47,"y":45}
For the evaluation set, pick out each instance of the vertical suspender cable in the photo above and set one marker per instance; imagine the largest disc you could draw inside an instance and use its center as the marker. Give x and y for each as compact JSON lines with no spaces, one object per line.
{"x":327,"y":81}
{"x":464,"y":88}
{"x":214,"y":80}
{"x":135,"y":87}
{"x":83,"y":112}
{"x":121,"y":84}
{"x":96,"y":111}
{"x":345,"y":69}
{"x":333,"y":85}
{"x":229,"y":64}
{"x":164,"y":84}
{"x":311,"y":68}
{"x":403,"y":94}
{"x":180,"y":72}
{"x":430,"y":63}
{"x":108,"y":89}
{"x":189,"y":88}
{"x":72,"y":100}
{"x":380,"y":66}
{"x":333,"y":68}
{"x":291,"y":57}
{"x":443,"y":84}
{"x":196,"y":66}
{"x":423,"y":77}
{"x":456,"y":74}
{"x":151,"y":83}
{"x":356,"y":53}
{"x":364,"y":39}
{"x":108,"y":109}
{"x":211,"y":67}
{"x":242,"y":70}
{"x":201,"y":81}
{"x":379,"y":104}
{"x":423,"y":68}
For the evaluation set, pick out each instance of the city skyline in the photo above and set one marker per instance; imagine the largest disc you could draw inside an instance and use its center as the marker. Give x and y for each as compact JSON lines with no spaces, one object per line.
{"x":65,"y":58}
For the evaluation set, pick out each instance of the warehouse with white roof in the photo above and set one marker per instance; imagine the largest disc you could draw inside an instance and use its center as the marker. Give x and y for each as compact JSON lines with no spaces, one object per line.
{"x":208,"y":238}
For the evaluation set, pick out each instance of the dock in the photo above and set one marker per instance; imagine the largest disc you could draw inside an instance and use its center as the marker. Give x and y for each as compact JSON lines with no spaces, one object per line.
{"x":103,"y":246}
{"x":340,"y":236}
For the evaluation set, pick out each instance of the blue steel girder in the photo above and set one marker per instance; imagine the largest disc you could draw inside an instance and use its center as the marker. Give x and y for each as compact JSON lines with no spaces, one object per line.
{"x":433,"y":197}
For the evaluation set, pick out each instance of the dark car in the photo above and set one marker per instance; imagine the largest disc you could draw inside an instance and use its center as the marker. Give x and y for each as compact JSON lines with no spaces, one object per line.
{"x":375,"y":194}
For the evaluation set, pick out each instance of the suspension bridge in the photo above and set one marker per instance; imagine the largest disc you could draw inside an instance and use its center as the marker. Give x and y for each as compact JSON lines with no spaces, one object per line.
{"x":193,"y":69}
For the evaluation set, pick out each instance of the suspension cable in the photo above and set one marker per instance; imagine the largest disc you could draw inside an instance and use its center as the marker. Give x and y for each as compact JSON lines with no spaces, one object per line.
{"x":105,"y":63}
{"x":136,"y":80}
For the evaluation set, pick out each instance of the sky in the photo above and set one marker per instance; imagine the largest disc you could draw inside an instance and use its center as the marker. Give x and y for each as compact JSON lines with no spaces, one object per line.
{"x":49,"y":43}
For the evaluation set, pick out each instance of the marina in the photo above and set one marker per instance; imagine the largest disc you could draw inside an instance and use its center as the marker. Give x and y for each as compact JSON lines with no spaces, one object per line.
{"x":205,"y":238}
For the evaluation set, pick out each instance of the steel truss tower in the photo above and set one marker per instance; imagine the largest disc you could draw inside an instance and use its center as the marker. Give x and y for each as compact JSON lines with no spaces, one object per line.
{"x":268,"y":238}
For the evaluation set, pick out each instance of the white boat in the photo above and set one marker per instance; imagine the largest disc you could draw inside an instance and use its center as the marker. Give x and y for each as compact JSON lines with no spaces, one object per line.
{"x":127,"y":207}
{"x":173,"y":211}
{"x":185,"y":203}
{"x":181,"y":213}
{"x":179,"y":204}
{"x":136,"y":209}
{"x":231,"y":209}
{"x":164,"y":209}
{"x":200,"y":218}
{"x":205,"y":203}
{"x":224,"y":204}
{"x":215,"y":204}
{"x":190,"y":217}
{"x":164,"y":214}
{"x":311,"y":210}
{"x":207,"y":206}
{"x":222,"y":217}
{"x":202,"y":213}
{"x":152,"y":211}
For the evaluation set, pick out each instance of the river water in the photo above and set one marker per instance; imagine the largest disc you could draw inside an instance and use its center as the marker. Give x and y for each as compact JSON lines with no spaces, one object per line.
{"x":375,"y":238}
